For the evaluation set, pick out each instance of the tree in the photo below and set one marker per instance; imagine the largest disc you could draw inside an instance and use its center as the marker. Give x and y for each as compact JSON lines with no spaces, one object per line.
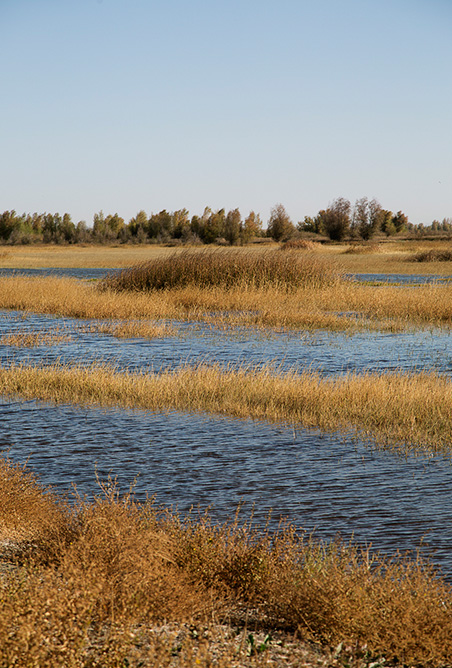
{"x":160,"y":225}
{"x":387,"y":225}
{"x":66,"y":231}
{"x":251,"y":227}
{"x":181,"y":224}
{"x":336,"y":219}
{"x":280,"y":227}
{"x":138,"y":225}
{"x":114,"y":225}
{"x":309,"y":224}
{"x":212,"y":225}
{"x":82,"y":234}
{"x":232,"y":225}
{"x":366,"y":217}
{"x":400,"y":221}
{"x":9,"y":221}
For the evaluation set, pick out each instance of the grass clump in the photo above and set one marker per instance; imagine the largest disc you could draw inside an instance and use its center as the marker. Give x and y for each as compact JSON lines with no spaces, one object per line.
{"x":340,"y":306}
{"x":393,"y":407}
{"x":432,"y":255}
{"x":34,"y":339}
{"x":111,"y":591}
{"x":363,"y":249}
{"x":226,"y":269}
{"x":301,"y":244}
{"x":130,"y":329}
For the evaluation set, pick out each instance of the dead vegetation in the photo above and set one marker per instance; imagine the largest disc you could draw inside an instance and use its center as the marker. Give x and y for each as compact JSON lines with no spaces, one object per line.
{"x":114,"y":582}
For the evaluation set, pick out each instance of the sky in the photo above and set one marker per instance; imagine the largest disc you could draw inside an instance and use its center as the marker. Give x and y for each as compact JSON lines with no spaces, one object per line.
{"x":123,"y":105}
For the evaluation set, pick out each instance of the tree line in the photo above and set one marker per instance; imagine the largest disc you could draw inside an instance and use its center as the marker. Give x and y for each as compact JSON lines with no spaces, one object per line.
{"x":339,"y":221}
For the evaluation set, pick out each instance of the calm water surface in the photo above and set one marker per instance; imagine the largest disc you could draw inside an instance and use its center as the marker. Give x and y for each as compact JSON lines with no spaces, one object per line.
{"x":319,"y":481}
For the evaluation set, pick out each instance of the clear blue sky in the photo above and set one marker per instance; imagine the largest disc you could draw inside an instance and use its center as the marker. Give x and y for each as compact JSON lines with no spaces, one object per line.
{"x":124,"y":105}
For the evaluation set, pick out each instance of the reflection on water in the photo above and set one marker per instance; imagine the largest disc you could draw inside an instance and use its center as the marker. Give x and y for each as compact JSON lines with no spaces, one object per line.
{"x":318,"y":481}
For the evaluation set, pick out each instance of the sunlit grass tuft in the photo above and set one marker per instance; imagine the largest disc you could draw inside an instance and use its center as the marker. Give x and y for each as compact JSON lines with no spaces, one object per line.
{"x":34,"y":339}
{"x":363,"y":248}
{"x":131,"y":329}
{"x":344,"y":305}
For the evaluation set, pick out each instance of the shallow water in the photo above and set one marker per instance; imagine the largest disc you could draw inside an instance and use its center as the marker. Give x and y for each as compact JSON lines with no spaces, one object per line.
{"x":322,"y":481}
{"x":319,"y":481}
{"x":328,"y":352}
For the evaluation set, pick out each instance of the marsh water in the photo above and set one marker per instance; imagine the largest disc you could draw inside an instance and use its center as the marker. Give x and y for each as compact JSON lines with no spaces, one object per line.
{"x":330,"y":483}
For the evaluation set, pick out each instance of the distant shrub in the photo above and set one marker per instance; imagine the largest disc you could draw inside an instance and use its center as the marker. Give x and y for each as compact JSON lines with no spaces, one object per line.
{"x":433,"y":255}
{"x":300,"y":244}
{"x":361,"y":249}
{"x":226,"y":269}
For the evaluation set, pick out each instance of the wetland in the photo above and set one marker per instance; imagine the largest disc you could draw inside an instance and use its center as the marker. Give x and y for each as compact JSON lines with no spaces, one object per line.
{"x":326,"y":404}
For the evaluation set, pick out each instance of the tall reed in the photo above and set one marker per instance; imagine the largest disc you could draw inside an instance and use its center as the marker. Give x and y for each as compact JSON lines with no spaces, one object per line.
{"x":226,"y":269}
{"x":341,"y":306}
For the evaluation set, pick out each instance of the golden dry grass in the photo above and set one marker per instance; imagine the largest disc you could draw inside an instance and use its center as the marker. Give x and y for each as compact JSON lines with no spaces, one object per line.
{"x":226,"y":269}
{"x":78,"y":256}
{"x":432,"y":255}
{"x":391,"y":257}
{"x":301,"y":244}
{"x":396,"y":408}
{"x":342,"y":306}
{"x":131,"y":329}
{"x":34,"y":339}
{"x":113,"y":582}
{"x":363,"y":248}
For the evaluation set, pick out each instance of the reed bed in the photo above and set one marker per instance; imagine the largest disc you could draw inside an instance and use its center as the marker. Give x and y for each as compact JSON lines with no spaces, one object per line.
{"x":342,"y":306}
{"x":34,"y":339}
{"x":131,"y":329}
{"x":115,"y":582}
{"x":397,"y":409}
{"x":226,"y":269}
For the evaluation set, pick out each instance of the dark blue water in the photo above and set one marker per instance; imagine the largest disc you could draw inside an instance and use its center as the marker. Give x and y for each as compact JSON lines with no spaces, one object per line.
{"x":87,"y":274}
